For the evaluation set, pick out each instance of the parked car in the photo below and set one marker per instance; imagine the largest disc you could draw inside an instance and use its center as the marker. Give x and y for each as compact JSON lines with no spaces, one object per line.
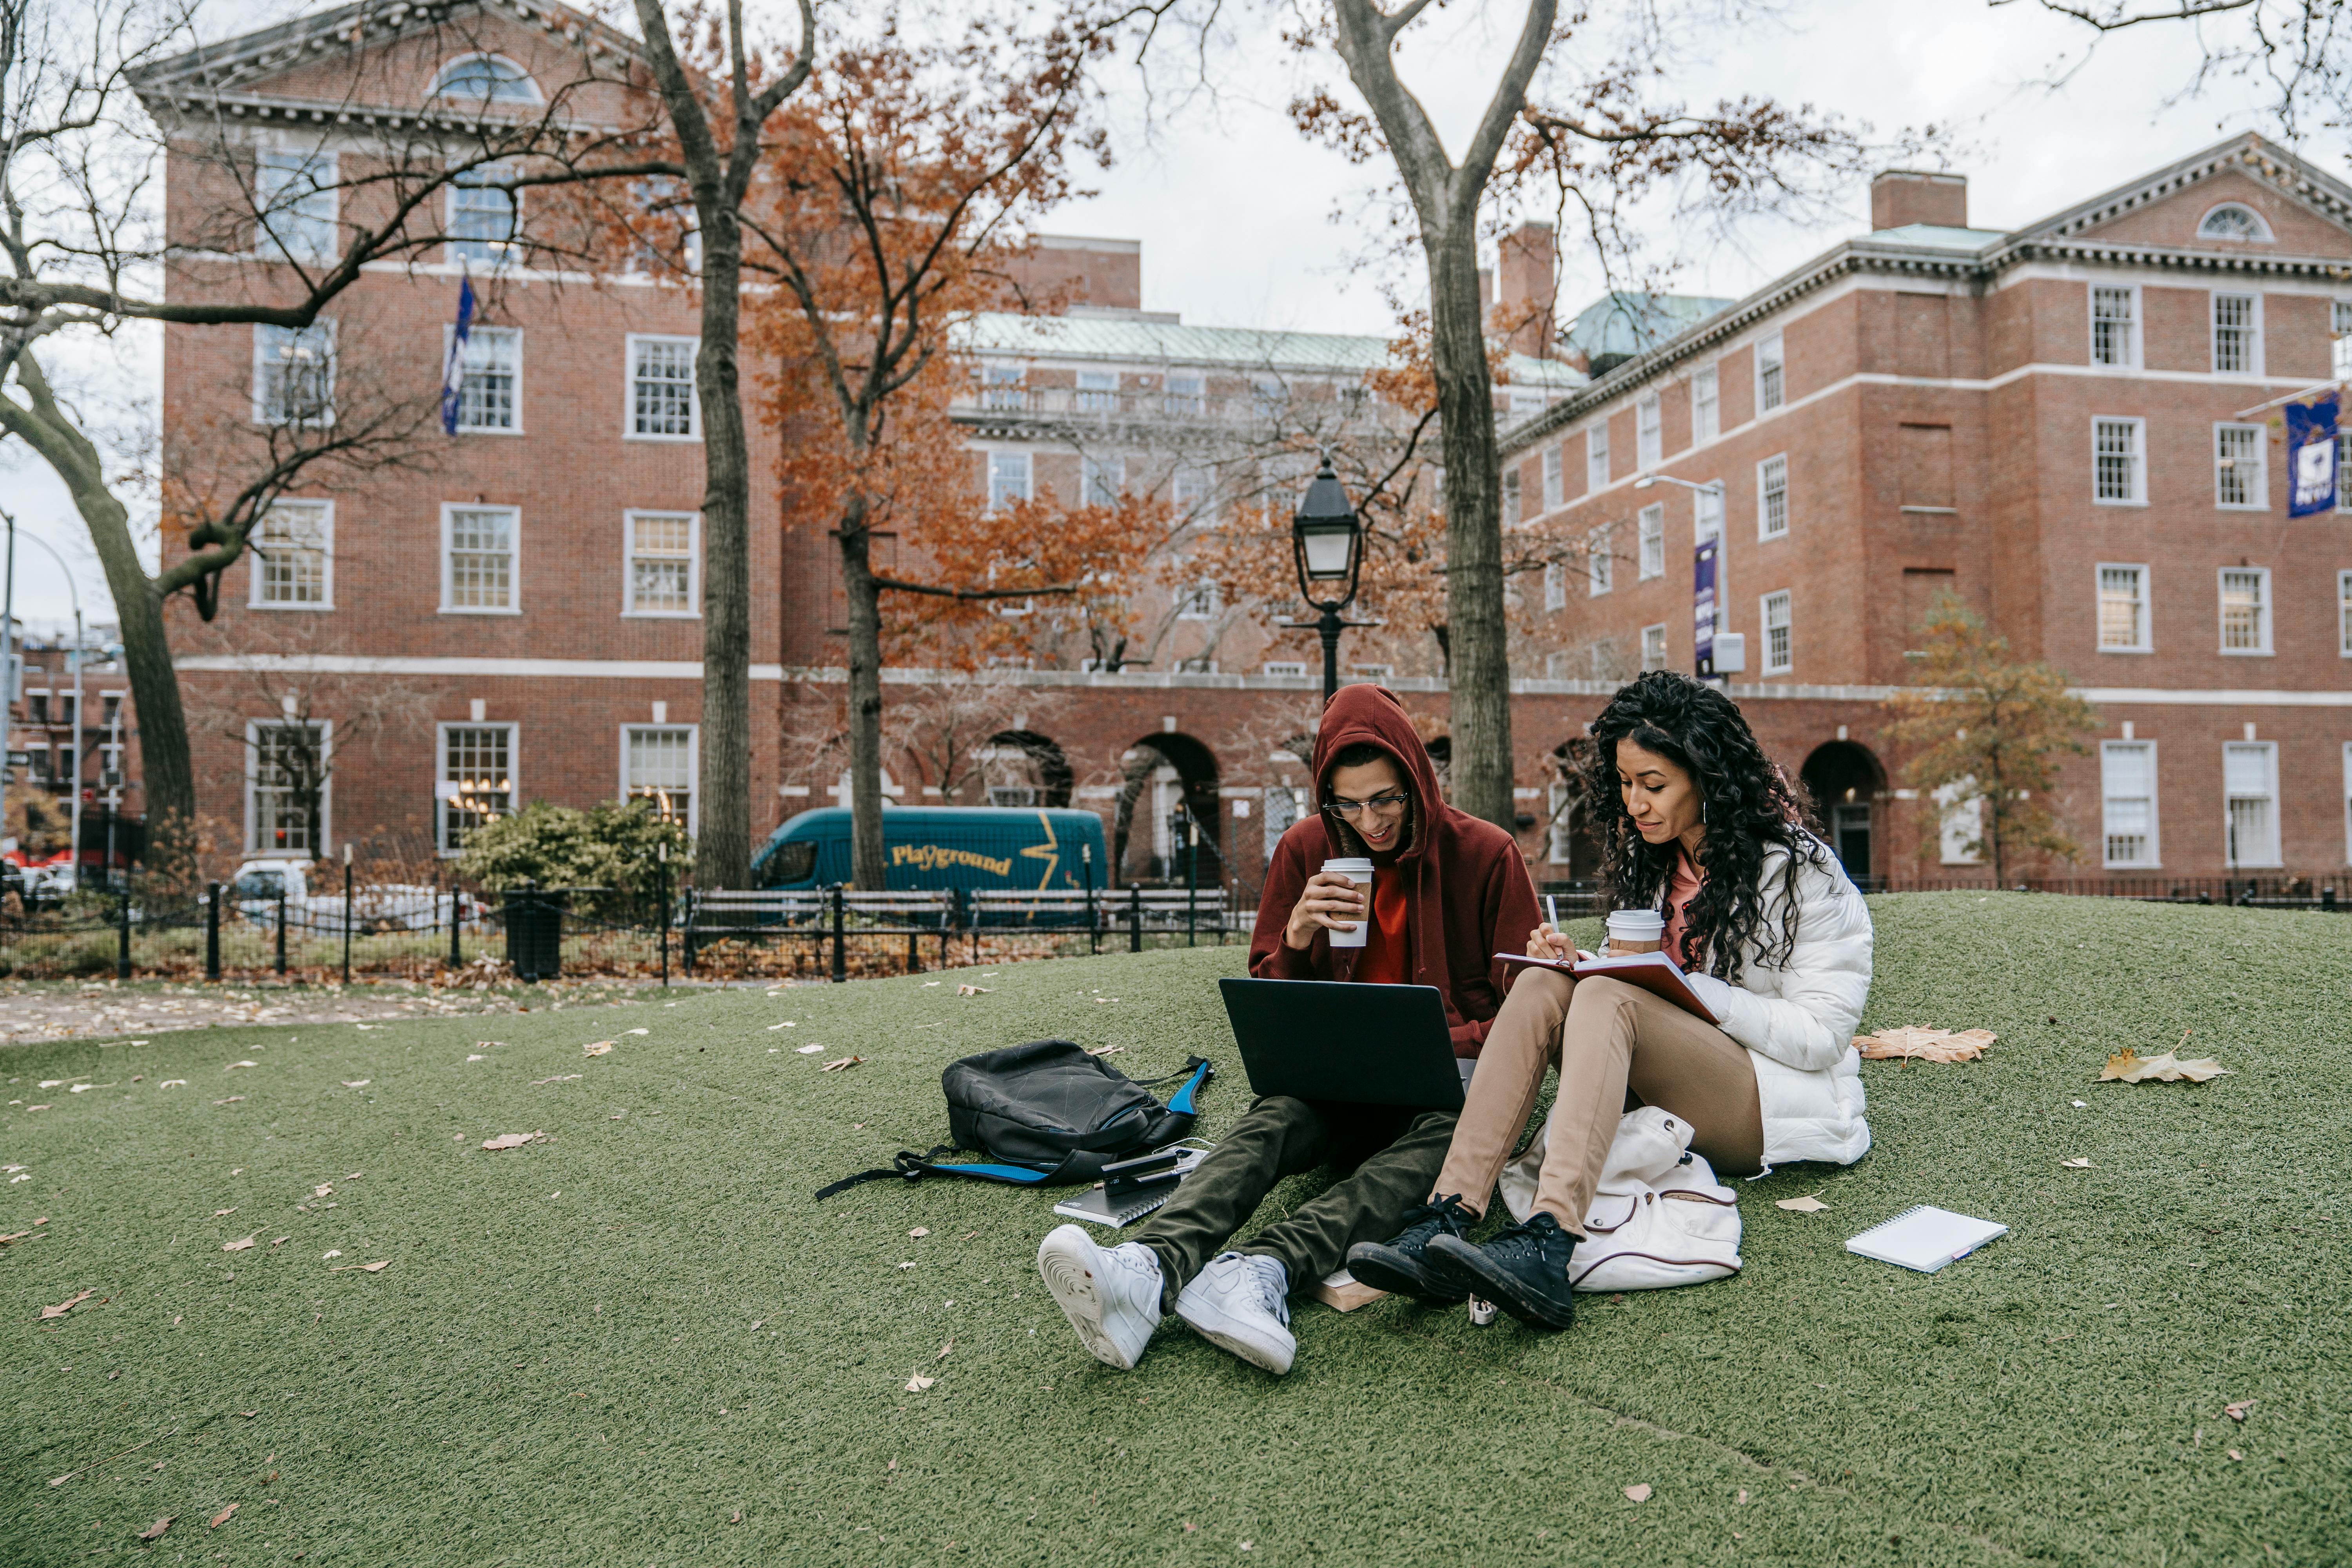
{"x":935,"y":848}
{"x":379,"y":906}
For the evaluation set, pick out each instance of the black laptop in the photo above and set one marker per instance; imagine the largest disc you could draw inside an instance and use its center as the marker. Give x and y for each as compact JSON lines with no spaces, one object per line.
{"x":1328,"y":1039}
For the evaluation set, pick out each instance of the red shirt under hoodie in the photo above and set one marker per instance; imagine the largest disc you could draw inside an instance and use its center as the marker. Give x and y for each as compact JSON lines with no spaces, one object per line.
{"x":1465,"y":890}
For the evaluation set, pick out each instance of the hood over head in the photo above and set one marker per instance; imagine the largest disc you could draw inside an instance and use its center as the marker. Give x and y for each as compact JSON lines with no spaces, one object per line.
{"x":1372,"y":713}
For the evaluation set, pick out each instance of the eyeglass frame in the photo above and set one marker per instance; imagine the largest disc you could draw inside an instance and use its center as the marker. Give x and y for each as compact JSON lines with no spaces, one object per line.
{"x":1385,"y":802}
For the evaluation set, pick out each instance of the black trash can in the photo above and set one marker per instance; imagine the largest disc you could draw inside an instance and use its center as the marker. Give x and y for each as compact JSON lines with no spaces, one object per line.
{"x":534,"y":920}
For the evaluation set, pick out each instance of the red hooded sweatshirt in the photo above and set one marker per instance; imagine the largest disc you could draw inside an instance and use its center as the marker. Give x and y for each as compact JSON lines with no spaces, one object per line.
{"x":1467,"y":892}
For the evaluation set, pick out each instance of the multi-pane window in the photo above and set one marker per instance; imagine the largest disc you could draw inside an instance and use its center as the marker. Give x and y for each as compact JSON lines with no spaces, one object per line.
{"x":1772,"y":497}
{"x":1771,"y":389}
{"x":1959,"y":824}
{"x":481,"y":216}
{"x":1008,"y":479}
{"x":1596,"y":456}
{"x":1707,"y":406}
{"x":2116,"y":462}
{"x":2237,"y":334}
{"x":1652,"y":534}
{"x":2115,"y":326}
{"x":492,"y":372}
{"x":1204,"y":601}
{"x":2250,"y":781}
{"x":2238,"y":468}
{"x":1555,"y":484}
{"x":477,"y":779}
{"x":2339,"y":321}
{"x":1187,"y":484}
{"x":1555,"y":586}
{"x":1269,"y":396}
{"x":478,"y":559}
{"x":2123,"y":609}
{"x":294,"y":374}
{"x":1098,"y":391}
{"x":2344,"y":614}
{"x":287,"y":764}
{"x":1601,"y":565}
{"x":1003,"y":387}
{"x":2246,"y":610}
{"x":661,"y":388}
{"x":1561,"y":848}
{"x":1511,"y":498}
{"x":1706,"y":508}
{"x":2128,"y":791}
{"x":1649,"y":433}
{"x":1780,"y":650}
{"x":294,"y":201}
{"x":293,"y":547}
{"x":1653,"y":647}
{"x":661,"y":562}
{"x":1100,"y":480}
{"x":1185,"y":394}
{"x":658,"y":765}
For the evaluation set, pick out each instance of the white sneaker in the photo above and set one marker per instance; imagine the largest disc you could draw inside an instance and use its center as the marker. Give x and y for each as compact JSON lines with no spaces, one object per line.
{"x":1111,"y":1297}
{"x":1241,"y":1302}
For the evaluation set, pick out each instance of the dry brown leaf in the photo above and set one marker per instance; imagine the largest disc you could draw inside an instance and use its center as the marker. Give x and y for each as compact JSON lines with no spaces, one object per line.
{"x":1742,"y":1497}
{"x":1638,"y":1492}
{"x":222,"y":1213}
{"x":362,"y":1267}
{"x":68,"y":1305}
{"x":807,"y":1050}
{"x":917,"y":1384}
{"x":2237,"y":1411}
{"x":945,"y":1349}
{"x":222,"y":1517}
{"x":920,"y":1230}
{"x":355,"y":1082}
{"x":2237,"y":1456}
{"x":2075,"y":1164}
{"x":1806,"y":1205}
{"x":1105,"y":1050}
{"x":237,"y":1246}
{"x":511,"y":1139}
{"x":323,"y":1190}
{"x":558,"y":1078}
{"x":1925,"y":1044}
{"x":636,"y":1031}
{"x":232,"y":1100}
{"x":838,"y":1065}
{"x":155,"y":1531}
{"x":974,"y":989}
{"x":600,"y":1048}
{"x":234,"y":1066}
{"x":2126,"y":1067}
{"x":20,"y":1235}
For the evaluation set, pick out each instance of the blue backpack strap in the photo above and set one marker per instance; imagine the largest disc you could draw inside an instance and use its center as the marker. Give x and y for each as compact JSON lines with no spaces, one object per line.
{"x":913,"y":1167}
{"x":1201,"y":1072}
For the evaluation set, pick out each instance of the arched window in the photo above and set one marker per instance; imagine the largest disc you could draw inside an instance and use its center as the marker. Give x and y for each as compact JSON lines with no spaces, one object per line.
{"x":2231,"y":221}
{"x":492,"y":78}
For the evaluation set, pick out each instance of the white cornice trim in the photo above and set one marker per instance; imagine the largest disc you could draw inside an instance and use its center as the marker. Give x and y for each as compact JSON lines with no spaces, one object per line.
{"x":550,"y":668}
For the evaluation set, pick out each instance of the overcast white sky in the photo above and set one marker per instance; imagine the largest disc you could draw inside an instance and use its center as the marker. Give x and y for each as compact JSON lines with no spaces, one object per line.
{"x":1233,"y":208}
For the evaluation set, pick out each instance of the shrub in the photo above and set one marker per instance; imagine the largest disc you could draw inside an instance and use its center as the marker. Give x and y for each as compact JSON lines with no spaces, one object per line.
{"x":606,"y":847}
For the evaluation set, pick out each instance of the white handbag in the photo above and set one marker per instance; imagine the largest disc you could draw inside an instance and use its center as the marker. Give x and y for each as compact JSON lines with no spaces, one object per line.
{"x":1658,"y":1218}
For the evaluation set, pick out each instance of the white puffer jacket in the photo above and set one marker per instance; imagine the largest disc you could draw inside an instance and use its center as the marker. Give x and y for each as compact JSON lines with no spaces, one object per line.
{"x":1798,"y":1020}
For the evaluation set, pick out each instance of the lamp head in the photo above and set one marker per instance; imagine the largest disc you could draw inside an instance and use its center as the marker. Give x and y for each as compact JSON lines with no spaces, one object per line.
{"x":1326,"y":532}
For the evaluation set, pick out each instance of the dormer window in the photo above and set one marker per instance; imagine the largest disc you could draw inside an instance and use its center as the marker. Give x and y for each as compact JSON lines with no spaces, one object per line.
{"x":2231,"y":221}
{"x":488,"y":77}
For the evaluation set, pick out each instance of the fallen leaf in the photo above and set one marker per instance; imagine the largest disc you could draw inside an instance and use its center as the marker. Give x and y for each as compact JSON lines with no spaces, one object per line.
{"x":237,"y":1246}
{"x":234,"y":1066}
{"x":920,"y":1230}
{"x":232,"y":1100}
{"x":738,"y":1518}
{"x":600,"y":1048}
{"x":155,"y":1531}
{"x":1638,"y":1492}
{"x":558,"y":1078}
{"x":20,"y":1235}
{"x":1806,"y":1205}
{"x":838,"y":1065}
{"x":174,"y":1083}
{"x":2126,"y":1066}
{"x":807,"y":1050}
{"x":53,"y":1108}
{"x":323,"y":1190}
{"x":945,"y":1349}
{"x":68,"y":1304}
{"x":788,"y":1024}
{"x":2237,"y":1456}
{"x":2237,"y":1411}
{"x":55,"y":1082}
{"x":1928,"y":1045}
{"x":905,"y":1265}
{"x":636,"y":1031}
{"x":222,"y":1517}
{"x":974,"y":989}
{"x":219,"y":1214}
{"x":1105,"y":1050}
{"x":362,"y":1267}
{"x":511,"y":1139}
{"x":488,"y":1045}
{"x":357,"y":1082}
{"x":282,"y":1241}
{"x":917,"y":1384}
{"x":338,"y":1252}
{"x":1742,"y":1497}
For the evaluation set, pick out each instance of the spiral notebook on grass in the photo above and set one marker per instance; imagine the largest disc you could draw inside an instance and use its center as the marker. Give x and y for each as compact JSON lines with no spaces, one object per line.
{"x":1133,"y":1188}
{"x":1926,"y":1238}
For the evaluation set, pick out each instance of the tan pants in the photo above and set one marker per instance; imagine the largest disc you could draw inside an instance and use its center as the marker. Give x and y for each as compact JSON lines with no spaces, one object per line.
{"x":1617,"y":1047}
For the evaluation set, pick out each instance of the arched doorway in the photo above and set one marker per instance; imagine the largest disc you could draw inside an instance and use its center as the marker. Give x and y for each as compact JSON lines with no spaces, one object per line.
{"x":1025,"y":768}
{"x":1171,"y":781}
{"x":1571,"y":848}
{"x":1844,"y":781}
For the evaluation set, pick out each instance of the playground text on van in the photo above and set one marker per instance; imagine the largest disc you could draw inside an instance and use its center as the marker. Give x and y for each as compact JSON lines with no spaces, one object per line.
{"x":939,"y":857}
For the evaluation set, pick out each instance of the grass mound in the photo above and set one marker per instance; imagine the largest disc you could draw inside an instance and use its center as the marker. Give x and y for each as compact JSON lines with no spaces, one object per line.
{"x":635,"y":1340}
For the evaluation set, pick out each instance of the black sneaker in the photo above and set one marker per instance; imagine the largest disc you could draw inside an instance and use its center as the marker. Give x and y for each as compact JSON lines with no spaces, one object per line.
{"x":1523,"y":1269}
{"x":1404,"y":1266}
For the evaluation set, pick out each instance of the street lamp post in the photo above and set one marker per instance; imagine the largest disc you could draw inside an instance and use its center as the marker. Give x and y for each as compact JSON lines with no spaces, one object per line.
{"x":1327,"y":543}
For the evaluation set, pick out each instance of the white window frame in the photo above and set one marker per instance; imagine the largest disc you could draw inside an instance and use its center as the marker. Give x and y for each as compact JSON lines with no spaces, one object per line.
{"x":630,"y":518}
{"x":487,"y":335}
{"x":1201,"y":601}
{"x":1555,"y":586}
{"x":265,"y":340}
{"x":441,"y":779}
{"x":2344,"y":614}
{"x":303,"y":222}
{"x":1101,"y":480}
{"x":1957,"y":824}
{"x":1559,"y":846}
{"x":520,"y":78}
{"x":629,"y":431}
{"x":1596,"y":456}
{"x":1600,"y":567}
{"x":693,"y":766}
{"x":2258,"y":493}
{"x":2130,"y":324}
{"x":2253,"y":329}
{"x":2138,"y":456}
{"x":1514,"y":509}
{"x":1771,"y":373}
{"x":2262,"y":235}
{"x":1555,"y":476}
{"x":253,"y":727}
{"x":2262,"y":575}
{"x":2269,"y":856}
{"x":2153,"y":856}
{"x":1767,"y":471}
{"x":1706,"y":405}
{"x":1706,"y":522}
{"x":1095,"y":392}
{"x":513,"y":607}
{"x":2144,"y":617}
{"x":1028,"y":476}
{"x":493,"y":254}
{"x":1787,"y":654}
{"x":1654,"y":646}
{"x":325,"y":511}
{"x":1284,"y":670}
{"x":1651,"y":525}
{"x":1649,"y":433}
{"x":2340,"y":353}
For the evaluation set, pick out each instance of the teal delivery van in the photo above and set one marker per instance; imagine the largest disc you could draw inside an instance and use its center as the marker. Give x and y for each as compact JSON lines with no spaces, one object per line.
{"x":935,"y":848}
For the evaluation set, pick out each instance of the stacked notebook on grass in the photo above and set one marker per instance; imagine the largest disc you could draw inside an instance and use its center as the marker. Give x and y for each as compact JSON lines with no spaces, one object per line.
{"x":1132,"y":1188}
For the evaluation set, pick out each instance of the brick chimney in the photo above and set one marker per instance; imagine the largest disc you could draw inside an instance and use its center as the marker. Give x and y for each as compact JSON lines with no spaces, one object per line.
{"x":1522,"y":310}
{"x":1901,"y":196}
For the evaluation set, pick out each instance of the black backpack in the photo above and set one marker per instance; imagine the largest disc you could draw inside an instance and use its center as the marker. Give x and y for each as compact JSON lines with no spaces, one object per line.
{"x":1046,"y":1114}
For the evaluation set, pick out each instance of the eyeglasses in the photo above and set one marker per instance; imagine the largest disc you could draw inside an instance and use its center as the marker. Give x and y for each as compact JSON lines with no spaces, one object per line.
{"x":1383,"y":803}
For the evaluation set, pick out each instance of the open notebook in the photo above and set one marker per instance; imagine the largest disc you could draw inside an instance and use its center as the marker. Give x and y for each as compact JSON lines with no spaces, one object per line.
{"x":1926,"y":1238}
{"x":1654,"y":972}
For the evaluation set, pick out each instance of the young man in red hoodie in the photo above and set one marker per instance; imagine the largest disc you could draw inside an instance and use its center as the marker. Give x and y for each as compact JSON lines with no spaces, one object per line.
{"x":1449,"y":892}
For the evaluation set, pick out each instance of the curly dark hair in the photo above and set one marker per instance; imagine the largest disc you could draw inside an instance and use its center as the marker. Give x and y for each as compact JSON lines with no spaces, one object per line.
{"x":1750,"y":808}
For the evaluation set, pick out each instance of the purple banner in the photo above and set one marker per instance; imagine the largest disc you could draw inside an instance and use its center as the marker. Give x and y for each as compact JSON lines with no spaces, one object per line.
{"x":2311,"y":455}
{"x":1703,"y":605}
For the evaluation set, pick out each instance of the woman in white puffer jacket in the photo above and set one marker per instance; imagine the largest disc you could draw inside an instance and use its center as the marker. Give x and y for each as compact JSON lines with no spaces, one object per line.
{"x":1696,"y":823}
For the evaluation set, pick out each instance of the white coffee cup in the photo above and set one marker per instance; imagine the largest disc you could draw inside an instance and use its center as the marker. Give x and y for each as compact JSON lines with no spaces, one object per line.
{"x":1357,"y":870}
{"x":1635,"y":931}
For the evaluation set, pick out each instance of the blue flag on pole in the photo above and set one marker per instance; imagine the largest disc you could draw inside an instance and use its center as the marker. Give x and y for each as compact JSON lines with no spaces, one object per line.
{"x":2311,"y":455}
{"x":453,"y":374}
{"x":1703,"y":605}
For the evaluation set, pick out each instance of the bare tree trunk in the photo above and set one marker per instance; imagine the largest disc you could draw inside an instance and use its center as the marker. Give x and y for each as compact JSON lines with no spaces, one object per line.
{"x":1445,"y":202}
{"x":867,"y":860}
{"x":722,"y":850}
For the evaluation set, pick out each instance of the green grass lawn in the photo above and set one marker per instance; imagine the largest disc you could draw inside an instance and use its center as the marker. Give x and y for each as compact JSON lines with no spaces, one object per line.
{"x":681,"y":1338}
